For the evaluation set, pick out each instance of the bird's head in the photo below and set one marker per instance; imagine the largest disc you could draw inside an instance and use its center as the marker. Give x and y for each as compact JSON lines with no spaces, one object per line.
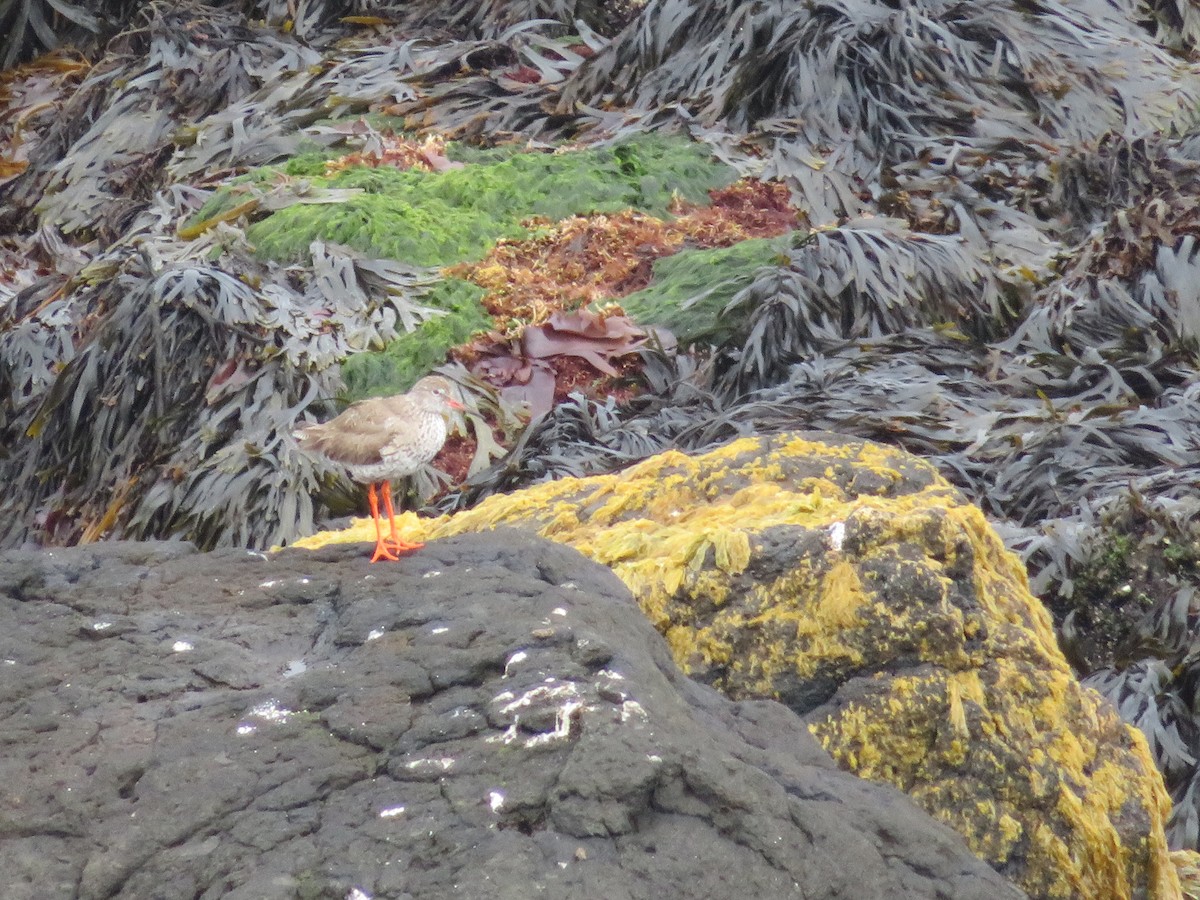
{"x":438,"y":391}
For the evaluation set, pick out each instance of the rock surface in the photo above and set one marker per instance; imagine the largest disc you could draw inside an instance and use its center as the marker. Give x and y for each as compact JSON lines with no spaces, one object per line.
{"x":491,"y":717}
{"x":851,"y":581}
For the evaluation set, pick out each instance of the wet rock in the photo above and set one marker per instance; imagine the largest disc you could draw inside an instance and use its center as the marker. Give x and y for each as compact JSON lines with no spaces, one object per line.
{"x":490,"y":717}
{"x":852,"y":582}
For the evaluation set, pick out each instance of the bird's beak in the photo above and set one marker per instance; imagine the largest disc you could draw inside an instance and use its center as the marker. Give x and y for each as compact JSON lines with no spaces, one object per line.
{"x":454,"y":404}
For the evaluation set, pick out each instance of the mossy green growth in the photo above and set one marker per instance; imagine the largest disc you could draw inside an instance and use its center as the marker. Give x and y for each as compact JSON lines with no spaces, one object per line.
{"x":241,"y":189}
{"x":440,"y":218}
{"x":310,"y":164}
{"x":472,"y":155}
{"x":397,"y":367}
{"x":691,"y":289}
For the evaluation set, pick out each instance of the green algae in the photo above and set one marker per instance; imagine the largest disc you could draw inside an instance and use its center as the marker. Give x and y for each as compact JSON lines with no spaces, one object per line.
{"x":440,"y":218}
{"x":309,"y":164}
{"x":471,"y":154}
{"x":397,"y":367}
{"x":690,"y":290}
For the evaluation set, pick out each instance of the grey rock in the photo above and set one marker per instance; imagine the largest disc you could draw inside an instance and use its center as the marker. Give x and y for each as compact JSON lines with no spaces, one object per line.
{"x":491,"y":717}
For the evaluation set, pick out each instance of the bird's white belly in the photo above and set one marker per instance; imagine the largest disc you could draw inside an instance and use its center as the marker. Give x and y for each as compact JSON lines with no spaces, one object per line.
{"x":380,"y":471}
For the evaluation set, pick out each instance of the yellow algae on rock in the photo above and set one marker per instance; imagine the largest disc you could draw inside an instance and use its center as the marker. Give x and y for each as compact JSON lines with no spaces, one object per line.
{"x":853,"y":583}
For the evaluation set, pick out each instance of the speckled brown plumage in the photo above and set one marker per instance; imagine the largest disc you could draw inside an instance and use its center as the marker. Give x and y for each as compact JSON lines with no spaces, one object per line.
{"x":385,"y":438}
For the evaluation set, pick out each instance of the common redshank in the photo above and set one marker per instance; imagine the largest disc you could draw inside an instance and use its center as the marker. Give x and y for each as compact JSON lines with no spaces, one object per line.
{"x":382,"y":439}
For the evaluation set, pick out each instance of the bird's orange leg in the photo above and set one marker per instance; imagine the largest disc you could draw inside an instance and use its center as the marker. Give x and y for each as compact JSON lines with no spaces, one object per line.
{"x":381,"y":548}
{"x":397,"y":543}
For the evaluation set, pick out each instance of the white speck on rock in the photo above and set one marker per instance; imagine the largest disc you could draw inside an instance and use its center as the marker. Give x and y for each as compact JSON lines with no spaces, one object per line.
{"x":631,"y":708}
{"x":182,"y":646}
{"x":558,"y":610}
{"x":432,"y":573}
{"x":444,"y":763}
{"x":295,"y":667}
{"x":837,"y":534}
{"x":441,"y":629}
{"x":376,"y":634}
{"x":519,"y":657}
{"x":541,"y":694}
{"x":271,"y":711}
{"x":495,"y":800}
{"x":357,"y":893}
{"x":510,"y":734}
{"x":562,"y":725}
{"x":269,"y":584}
{"x":101,"y":626}
{"x":391,"y":812}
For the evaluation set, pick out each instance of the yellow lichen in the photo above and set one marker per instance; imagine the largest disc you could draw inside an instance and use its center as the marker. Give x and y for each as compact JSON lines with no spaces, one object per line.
{"x":839,"y":599}
{"x":731,"y":551}
{"x":957,"y":715}
{"x":981,"y":722}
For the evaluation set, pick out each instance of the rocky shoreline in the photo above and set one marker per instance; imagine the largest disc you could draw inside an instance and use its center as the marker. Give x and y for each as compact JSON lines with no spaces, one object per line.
{"x":491,"y":717}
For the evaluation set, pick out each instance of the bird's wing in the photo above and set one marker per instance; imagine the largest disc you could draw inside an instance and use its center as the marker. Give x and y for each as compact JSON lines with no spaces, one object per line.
{"x":360,"y":434}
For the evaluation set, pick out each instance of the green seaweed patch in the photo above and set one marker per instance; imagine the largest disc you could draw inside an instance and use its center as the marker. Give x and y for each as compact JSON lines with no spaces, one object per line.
{"x":240,"y":189}
{"x":690,"y":289}
{"x":474,"y":155}
{"x":310,"y":164}
{"x":397,"y":366}
{"x":380,"y":225}
{"x":440,"y":218}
